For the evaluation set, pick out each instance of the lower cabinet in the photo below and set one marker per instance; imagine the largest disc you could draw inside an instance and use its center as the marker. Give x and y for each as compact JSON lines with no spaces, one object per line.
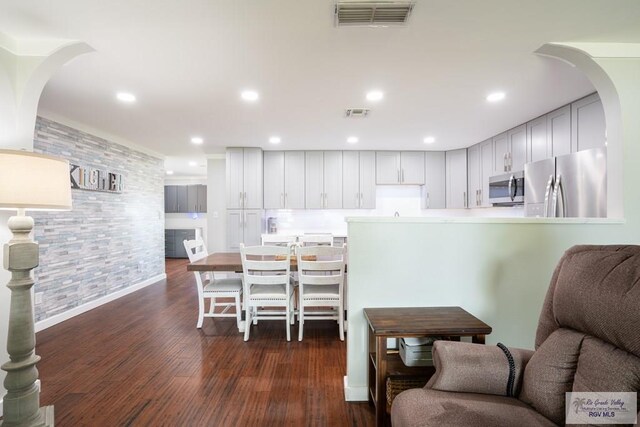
{"x":173,"y":242}
{"x":243,"y":226}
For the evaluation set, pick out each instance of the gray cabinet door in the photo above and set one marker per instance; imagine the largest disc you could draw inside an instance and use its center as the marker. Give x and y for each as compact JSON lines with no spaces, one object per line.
{"x":517,"y":148}
{"x":169,"y":244}
{"x":456,"y":178}
{"x":588,"y":127}
{"x":170,"y":199}
{"x":486,"y":170}
{"x":332,"y":179}
{"x":559,"y":131}
{"x":501,"y":150}
{"x":294,"y":180}
{"x":192,"y":199}
{"x":313,"y":179}
{"x":387,"y":167}
{"x":252,"y":227}
{"x":182,"y":197}
{"x":538,"y":147}
{"x":235,"y":172}
{"x":412,"y":167}
{"x":235,"y":221}
{"x":473,"y":176}
{"x":434,"y":189}
{"x":252,"y":178}
{"x":273,"y":179}
{"x":367,"y":180}
{"x":350,"y":180}
{"x":202,"y":198}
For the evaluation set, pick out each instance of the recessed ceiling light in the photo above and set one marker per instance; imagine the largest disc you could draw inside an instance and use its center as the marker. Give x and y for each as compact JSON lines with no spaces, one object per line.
{"x":352,"y":139}
{"x":169,"y":172}
{"x":375,"y":95}
{"x":429,"y":140}
{"x":275,"y":140}
{"x":496,"y":96}
{"x":193,"y":163}
{"x":249,"y":95}
{"x":126,"y":97}
{"x":197,"y":140}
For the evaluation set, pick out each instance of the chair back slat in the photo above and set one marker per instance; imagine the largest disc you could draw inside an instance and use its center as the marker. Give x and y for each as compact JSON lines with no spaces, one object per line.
{"x":265,"y":271}
{"x":267,"y":265}
{"x":320,"y":265}
{"x":329,"y":260}
{"x":310,"y":279}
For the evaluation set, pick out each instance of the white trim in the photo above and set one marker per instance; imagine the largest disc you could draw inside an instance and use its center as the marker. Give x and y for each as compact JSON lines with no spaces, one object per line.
{"x":99,"y":133}
{"x":355,"y":394}
{"x":58,"y":318}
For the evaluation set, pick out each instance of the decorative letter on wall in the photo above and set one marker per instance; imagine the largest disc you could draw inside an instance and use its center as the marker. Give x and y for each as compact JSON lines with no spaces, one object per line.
{"x":95,"y":180}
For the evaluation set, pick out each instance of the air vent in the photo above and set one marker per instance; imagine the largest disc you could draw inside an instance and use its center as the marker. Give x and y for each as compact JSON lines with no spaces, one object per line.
{"x":372,"y":13}
{"x":356,"y":113}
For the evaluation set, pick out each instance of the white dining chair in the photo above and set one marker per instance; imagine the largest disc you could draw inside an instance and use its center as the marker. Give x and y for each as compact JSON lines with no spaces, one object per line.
{"x":211,"y":288}
{"x":267,"y":285}
{"x":321,"y":284}
{"x":315,"y":240}
{"x":278,"y":240}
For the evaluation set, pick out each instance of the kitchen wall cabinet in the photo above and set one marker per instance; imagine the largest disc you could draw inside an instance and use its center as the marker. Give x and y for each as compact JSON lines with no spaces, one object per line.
{"x":244,"y":178}
{"x":323,"y":179}
{"x":486,"y":171}
{"x":293,"y":179}
{"x":358,"y":180}
{"x":434,"y":193}
{"x":538,"y":146}
{"x":456,"y":178}
{"x":273,"y":179}
{"x":500,"y":150}
{"x":473,"y":176}
{"x":510,"y":150}
{"x":185,"y":198}
{"x":400,"y":167}
{"x":559,"y":131}
{"x":283,"y":179}
{"x":243,"y":226}
{"x":588,"y":127}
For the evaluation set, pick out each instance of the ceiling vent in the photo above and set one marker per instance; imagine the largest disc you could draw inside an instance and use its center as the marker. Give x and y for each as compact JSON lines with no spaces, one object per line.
{"x":355,"y":113}
{"x":372,"y":13}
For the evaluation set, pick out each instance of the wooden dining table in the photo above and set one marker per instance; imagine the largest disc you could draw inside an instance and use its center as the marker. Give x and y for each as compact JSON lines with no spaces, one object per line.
{"x":229,"y":262}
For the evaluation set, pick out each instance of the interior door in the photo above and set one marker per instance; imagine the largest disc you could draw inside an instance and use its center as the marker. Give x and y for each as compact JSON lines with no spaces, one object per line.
{"x":313,"y":179}
{"x":294,"y":179}
{"x":412,"y":167}
{"x":367,"y":180}
{"x":273,"y":179}
{"x":387,"y":167}
{"x":333,"y":179}
{"x":350,"y":180}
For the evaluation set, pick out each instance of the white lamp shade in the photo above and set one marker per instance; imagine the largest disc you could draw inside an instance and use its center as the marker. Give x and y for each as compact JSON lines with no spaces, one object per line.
{"x":34,"y":181}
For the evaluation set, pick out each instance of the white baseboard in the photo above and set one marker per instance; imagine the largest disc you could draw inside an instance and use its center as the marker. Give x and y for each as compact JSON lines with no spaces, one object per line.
{"x":355,"y":394}
{"x":54,"y":320}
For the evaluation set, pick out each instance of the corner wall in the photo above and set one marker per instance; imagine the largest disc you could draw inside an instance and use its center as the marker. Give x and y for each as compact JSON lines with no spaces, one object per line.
{"x":107,"y":242}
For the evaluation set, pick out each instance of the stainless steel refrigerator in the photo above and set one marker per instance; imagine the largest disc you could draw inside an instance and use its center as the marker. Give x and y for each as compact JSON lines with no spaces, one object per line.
{"x":574,"y":185}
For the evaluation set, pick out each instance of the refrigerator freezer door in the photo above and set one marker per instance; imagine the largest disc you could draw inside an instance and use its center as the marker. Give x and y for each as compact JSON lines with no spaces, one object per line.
{"x":537,"y":176}
{"x":582,"y":179}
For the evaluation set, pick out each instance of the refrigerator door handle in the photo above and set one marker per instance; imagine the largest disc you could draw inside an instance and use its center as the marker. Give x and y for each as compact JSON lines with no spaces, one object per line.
{"x":547,"y":196}
{"x":556,"y":190}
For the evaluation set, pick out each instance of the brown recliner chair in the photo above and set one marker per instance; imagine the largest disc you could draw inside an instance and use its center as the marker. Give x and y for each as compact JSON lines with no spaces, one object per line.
{"x":588,"y":339}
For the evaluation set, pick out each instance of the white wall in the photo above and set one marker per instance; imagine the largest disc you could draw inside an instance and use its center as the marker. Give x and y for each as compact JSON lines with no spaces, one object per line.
{"x":216,"y":205}
{"x":499,"y":270}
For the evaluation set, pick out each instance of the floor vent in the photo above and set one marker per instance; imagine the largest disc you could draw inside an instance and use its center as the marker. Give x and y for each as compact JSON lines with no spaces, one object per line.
{"x":355,"y":113}
{"x":372,"y":13}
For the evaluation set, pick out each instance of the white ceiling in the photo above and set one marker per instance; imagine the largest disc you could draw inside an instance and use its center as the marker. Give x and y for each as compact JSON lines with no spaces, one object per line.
{"x":188,"y":61}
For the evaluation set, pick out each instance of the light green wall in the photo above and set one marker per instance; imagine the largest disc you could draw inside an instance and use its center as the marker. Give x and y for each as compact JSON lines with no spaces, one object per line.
{"x":498,"y":271}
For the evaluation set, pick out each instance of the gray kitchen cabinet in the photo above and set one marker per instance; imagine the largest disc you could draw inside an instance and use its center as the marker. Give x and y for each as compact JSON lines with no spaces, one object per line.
{"x":517,"y":145}
{"x":170,"y":199}
{"x":486,"y":171}
{"x":244,"y":178}
{"x":185,"y":198}
{"x":202,"y":198}
{"x":559,"y":131}
{"x":243,"y":226}
{"x":588,"y":126}
{"x":473,"y":176}
{"x":273,"y":179}
{"x":434,"y":196}
{"x":192,"y":198}
{"x":538,"y":146}
{"x":323,"y":179}
{"x":173,"y":242}
{"x":182,"y":198}
{"x":396,"y":167}
{"x":500,"y":149}
{"x":358,"y":180}
{"x":456,"y":178}
{"x":294,"y":179}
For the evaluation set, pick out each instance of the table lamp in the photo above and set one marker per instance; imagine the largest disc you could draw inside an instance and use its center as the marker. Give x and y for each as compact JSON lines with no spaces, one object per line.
{"x":28,"y":181}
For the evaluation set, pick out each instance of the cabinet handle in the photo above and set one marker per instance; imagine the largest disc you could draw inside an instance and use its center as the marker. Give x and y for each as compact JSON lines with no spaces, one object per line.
{"x":464,"y":197}
{"x":285,"y":199}
{"x":244,"y":203}
{"x":428,"y":201}
{"x":480,"y":196}
{"x":240,"y":199}
{"x":282,"y":200}
{"x":402,"y":175}
{"x":399,"y":176}
{"x":361,"y":197}
{"x":357,"y":200}
{"x":321,"y":200}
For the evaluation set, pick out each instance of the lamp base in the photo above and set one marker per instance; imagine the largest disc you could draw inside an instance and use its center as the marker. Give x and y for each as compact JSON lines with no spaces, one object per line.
{"x":45,"y":419}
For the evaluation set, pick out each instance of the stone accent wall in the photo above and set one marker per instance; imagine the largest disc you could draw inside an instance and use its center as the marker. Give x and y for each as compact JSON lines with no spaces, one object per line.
{"x":108,"y":241}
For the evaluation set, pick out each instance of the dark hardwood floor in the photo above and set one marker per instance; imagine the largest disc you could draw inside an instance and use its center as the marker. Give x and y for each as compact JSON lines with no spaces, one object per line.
{"x":140,"y":361}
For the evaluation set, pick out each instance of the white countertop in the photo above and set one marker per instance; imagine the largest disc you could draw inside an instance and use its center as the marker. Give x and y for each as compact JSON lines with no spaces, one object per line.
{"x":334,"y":233}
{"x":484,"y":220}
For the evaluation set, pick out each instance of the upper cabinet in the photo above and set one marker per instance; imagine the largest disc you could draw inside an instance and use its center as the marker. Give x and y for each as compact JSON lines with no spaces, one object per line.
{"x":456,"y":178}
{"x":395,"y":167}
{"x":185,"y":198}
{"x":479,"y":169}
{"x":273,"y":179}
{"x":435,"y":177}
{"x":294,"y":179}
{"x":559,"y":131}
{"x":486,"y":171}
{"x":358,"y":180}
{"x":283,"y":179}
{"x":501,"y":151}
{"x":510,"y":150}
{"x":244,"y":178}
{"x":538,"y":147}
{"x":588,"y":127}
{"x":323,"y":179}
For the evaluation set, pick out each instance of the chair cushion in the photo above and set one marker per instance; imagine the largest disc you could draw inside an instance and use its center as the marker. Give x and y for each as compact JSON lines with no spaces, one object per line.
{"x":550,"y":372}
{"x":321,"y":291}
{"x":424,"y":407}
{"x":224,"y":285}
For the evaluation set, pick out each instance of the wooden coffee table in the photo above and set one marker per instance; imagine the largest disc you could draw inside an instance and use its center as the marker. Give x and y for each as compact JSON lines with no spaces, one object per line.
{"x":447,"y":322}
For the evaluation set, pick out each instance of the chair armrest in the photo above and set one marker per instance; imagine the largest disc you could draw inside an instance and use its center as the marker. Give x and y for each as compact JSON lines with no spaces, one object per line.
{"x":477,"y":368}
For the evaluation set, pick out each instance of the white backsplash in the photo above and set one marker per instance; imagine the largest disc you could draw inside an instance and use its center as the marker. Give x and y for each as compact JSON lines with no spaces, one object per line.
{"x":404,"y":199}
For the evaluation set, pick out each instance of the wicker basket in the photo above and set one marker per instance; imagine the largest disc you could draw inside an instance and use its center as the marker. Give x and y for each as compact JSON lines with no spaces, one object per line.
{"x":396,"y":385}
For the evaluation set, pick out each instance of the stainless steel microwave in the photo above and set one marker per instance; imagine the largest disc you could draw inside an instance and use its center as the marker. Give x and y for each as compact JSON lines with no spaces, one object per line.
{"x":507,"y":189}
